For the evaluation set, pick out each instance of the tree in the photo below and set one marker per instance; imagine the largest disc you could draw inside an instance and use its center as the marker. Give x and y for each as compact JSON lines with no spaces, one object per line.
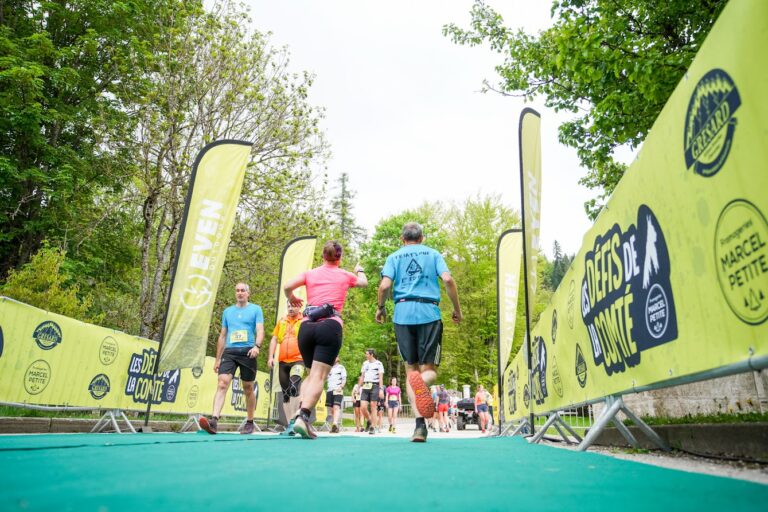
{"x":212,"y":78}
{"x":42,"y":283}
{"x":556,"y":270}
{"x":68,"y":71}
{"x":612,"y":62}
{"x":342,"y":212}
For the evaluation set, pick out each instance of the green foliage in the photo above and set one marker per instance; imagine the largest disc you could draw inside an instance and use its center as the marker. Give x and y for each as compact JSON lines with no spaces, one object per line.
{"x":612,"y":63}
{"x":41,"y":283}
{"x":68,"y":71}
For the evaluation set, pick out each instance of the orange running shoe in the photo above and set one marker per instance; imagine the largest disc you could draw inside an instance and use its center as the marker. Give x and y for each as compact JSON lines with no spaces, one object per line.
{"x":424,"y":403}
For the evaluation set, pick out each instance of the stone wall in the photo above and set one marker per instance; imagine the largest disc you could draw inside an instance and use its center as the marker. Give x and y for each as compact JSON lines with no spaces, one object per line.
{"x":742,"y":393}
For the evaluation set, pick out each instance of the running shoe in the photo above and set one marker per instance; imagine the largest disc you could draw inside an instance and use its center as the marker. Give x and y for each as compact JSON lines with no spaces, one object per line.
{"x":248,"y":428}
{"x":424,"y":403}
{"x":334,"y":429}
{"x":419,"y":435}
{"x":371,"y":430}
{"x":304,"y":428}
{"x":209,"y":426}
{"x":289,"y":430}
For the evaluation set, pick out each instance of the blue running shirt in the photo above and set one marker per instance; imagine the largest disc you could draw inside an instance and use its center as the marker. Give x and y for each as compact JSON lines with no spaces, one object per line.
{"x":415,"y":272}
{"x":241,"y":324}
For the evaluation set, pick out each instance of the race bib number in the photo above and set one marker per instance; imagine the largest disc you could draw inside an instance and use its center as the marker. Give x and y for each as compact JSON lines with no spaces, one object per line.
{"x":297,"y":371}
{"x":368,"y":385}
{"x":240,"y":336}
{"x":338,"y":391}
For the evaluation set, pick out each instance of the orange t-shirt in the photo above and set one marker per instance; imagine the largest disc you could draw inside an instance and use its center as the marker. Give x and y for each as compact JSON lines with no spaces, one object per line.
{"x":287,"y":332}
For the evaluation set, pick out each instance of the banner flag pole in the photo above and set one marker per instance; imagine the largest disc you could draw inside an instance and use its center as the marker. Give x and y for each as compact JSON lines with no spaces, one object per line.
{"x":209,"y":215}
{"x":530,"y":192}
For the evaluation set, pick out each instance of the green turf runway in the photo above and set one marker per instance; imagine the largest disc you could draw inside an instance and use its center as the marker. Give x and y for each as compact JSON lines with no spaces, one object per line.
{"x":113,"y":472}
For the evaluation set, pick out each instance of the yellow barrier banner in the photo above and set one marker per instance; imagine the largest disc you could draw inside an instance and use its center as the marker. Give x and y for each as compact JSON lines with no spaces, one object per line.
{"x":671,"y":282}
{"x":214,"y":192}
{"x":49,"y":359}
{"x":516,"y":396}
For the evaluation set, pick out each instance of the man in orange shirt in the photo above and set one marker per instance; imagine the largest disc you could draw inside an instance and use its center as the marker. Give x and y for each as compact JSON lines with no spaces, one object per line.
{"x":291,"y":365}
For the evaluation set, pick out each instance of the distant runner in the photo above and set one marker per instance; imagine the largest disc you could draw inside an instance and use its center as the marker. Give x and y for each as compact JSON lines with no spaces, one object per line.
{"x":373,"y":386}
{"x":394,"y":402}
{"x":334,"y":397}
{"x":481,"y":407}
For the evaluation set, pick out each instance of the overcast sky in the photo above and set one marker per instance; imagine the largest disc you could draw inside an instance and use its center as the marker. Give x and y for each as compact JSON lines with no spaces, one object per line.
{"x":404,"y":115}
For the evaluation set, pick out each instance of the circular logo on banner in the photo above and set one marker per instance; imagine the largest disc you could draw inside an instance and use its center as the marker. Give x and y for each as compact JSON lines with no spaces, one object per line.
{"x":656,"y":311}
{"x":526,"y":396}
{"x":197,"y":293}
{"x":554,"y":325}
{"x":197,"y":372}
{"x":1,"y":342}
{"x":192,"y":395}
{"x":581,"y":367}
{"x":741,"y":258}
{"x":108,"y":351}
{"x":170,"y":393}
{"x":47,"y":335}
{"x":99,"y":386}
{"x":709,"y":123}
{"x":37,"y":377}
{"x":556,"y":380}
{"x":571,"y":303}
{"x":267,"y":385}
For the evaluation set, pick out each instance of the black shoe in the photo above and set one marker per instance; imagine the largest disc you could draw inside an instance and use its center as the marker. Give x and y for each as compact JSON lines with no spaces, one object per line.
{"x":248,"y":428}
{"x":420,"y":435}
{"x":334,"y":429}
{"x":371,"y":430}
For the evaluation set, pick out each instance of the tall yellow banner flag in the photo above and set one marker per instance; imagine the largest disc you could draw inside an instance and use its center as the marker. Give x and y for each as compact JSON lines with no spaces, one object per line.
{"x":214,"y":191}
{"x":530,"y":181}
{"x":297,"y":258}
{"x":509,"y":256}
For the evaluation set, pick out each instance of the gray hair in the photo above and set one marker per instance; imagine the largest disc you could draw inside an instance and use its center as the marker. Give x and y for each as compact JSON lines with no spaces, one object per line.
{"x":412,"y":232}
{"x":247,"y":288}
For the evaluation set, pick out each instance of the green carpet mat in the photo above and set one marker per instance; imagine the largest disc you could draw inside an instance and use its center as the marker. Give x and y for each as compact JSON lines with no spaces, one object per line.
{"x":113,"y":472}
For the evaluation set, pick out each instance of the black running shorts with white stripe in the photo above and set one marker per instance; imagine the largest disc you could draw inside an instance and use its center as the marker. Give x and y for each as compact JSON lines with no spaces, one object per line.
{"x":420,"y":343}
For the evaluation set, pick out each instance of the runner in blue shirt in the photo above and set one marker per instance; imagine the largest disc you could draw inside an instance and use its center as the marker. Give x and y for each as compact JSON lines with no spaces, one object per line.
{"x":242,"y":331}
{"x":413,"y":271}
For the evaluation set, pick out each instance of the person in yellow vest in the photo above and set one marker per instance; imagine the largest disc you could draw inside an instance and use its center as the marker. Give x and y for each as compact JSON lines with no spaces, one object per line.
{"x":290,"y":363}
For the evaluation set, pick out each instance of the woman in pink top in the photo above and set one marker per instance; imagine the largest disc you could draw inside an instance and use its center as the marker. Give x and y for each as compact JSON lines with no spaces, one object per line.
{"x":321,"y":332}
{"x":393,"y":403}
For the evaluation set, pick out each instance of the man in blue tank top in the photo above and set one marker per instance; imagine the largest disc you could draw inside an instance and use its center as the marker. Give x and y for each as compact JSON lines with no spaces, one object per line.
{"x":242,"y":332}
{"x":413,"y":271}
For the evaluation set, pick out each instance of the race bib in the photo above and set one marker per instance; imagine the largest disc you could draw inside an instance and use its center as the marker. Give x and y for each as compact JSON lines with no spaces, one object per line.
{"x":393,"y":398}
{"x":368,"y":385}
{"x":338,"y":391}
{"x":240,"y":336}
{"x":297,"y":370}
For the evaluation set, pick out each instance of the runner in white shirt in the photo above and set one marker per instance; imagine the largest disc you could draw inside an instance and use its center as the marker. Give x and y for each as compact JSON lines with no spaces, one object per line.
{"x":373,"y":388}
{"x":334,"y":397}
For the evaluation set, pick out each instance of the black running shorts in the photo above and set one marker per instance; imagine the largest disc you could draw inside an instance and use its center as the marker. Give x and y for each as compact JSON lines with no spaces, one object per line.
{"x":331,"y":399}
{"x":420,"y":343}
{"x":234,"y":358}
{"x":320,"y":341}
{"x":370,"y":395}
